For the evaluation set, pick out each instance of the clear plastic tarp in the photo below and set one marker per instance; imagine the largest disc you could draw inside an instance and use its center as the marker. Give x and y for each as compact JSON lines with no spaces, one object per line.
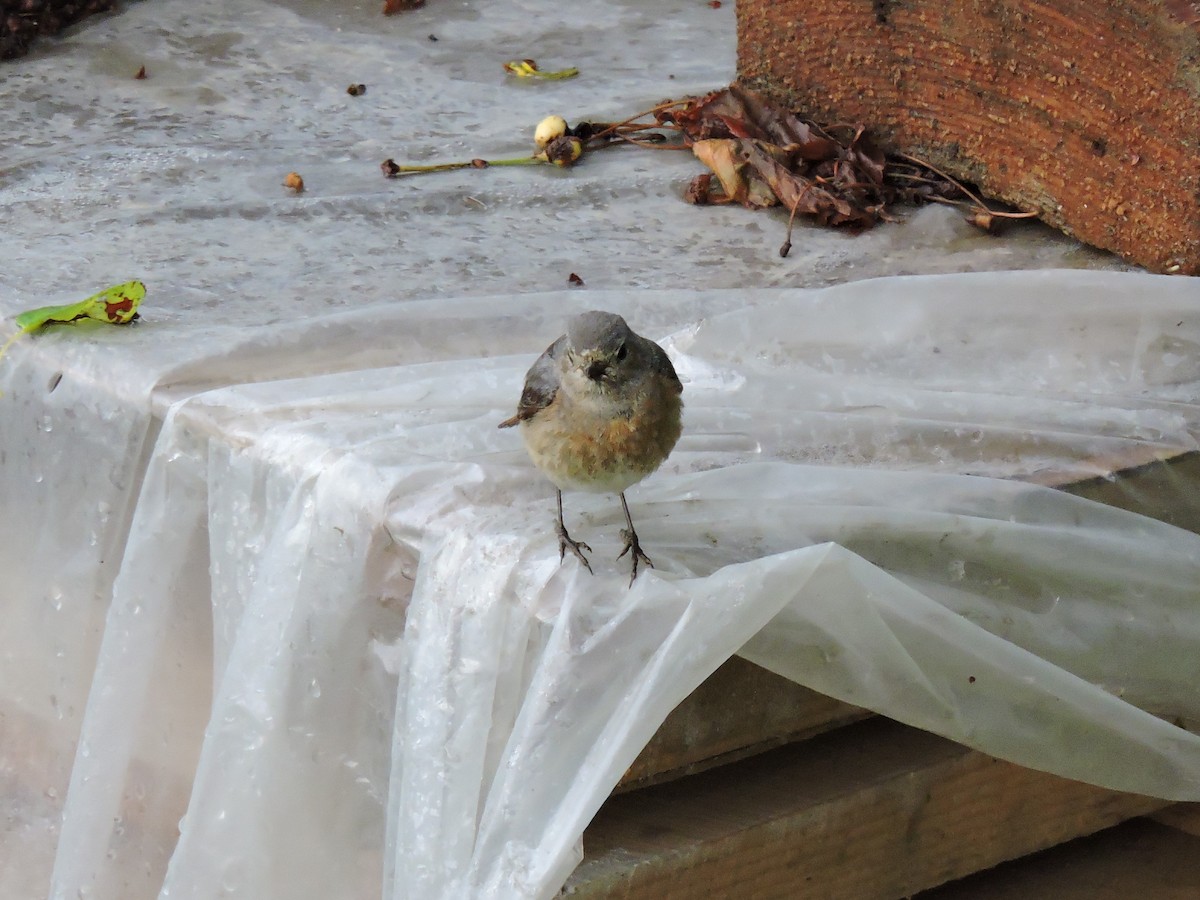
{"x":283,"y":611}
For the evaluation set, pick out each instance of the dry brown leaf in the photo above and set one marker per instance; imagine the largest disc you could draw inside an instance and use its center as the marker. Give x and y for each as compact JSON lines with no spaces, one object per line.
{"x":741,"y":113}
{"x":739,"y":183}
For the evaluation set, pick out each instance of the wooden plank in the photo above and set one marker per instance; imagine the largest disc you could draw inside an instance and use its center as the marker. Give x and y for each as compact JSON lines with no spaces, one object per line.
{"x":872,"y":810}
{"x":1182,"y":817}
{"x":1136,"y":859}
{"x":739,"y":710}
{"x":1084,"y":111}
{"x":1162,"y":489}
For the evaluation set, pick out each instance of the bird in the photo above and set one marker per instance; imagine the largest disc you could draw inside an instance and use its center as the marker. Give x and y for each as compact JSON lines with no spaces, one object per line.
{"x":600,"y":410}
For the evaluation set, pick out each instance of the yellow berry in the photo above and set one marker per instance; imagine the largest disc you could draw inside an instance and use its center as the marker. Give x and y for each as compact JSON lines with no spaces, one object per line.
{"x":549,"y":129}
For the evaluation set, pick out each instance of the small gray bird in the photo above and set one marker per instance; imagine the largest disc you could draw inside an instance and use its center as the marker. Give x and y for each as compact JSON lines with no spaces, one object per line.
{"x":600,"y":411}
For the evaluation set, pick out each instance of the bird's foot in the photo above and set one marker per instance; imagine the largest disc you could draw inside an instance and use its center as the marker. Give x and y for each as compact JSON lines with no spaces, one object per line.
{"x":565,"y":543}
{"x":631,"y":544}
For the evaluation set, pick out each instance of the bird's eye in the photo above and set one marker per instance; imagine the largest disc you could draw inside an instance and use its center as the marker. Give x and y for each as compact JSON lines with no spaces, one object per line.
{"x":622,"y":352}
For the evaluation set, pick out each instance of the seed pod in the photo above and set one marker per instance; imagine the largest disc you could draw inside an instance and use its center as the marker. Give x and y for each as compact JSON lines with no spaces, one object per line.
{"x":563,"y":151}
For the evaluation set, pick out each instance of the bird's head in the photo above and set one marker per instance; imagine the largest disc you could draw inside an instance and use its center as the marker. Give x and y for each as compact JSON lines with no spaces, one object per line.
{"x":602,"y":347}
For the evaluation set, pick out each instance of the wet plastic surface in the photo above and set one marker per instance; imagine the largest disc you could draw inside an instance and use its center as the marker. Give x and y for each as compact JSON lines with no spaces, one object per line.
{"x":273,"y":575}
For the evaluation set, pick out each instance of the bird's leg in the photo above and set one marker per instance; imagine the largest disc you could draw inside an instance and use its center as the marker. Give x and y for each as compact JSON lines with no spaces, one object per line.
{"x":631,"y":543}
{"x":565,"y":542}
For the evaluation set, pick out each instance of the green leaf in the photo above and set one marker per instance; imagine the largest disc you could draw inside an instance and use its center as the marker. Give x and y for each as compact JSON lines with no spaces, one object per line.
{"x":117,"y":304}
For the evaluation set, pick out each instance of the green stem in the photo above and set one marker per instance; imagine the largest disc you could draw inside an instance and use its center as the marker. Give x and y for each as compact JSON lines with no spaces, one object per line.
{"x":519,"y":161}
{"x":394,"y":170}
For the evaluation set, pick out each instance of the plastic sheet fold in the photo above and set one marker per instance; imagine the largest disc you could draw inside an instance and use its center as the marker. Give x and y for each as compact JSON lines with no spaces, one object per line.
{"x":342,"y":656}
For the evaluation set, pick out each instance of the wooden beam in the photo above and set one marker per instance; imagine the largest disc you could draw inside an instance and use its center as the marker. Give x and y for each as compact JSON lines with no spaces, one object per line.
{"x":1135,"y":859}
{"x":872,"y":810}
{"x":1182,"y":817}
{"x":739,"y":710}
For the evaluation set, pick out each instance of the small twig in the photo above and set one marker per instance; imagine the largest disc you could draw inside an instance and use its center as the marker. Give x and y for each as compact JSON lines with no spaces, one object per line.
{"x":611,"y":131}
{"x":653,"y":145}
{"x":962,"y":204}
{"x":978,"y":202}
{"x":825,"y":129}
{"x":786,"y":247}
{"x":645,"y":126}
{"x":911,"y":177}
{"x":649,"y":112}
{"x":937,"y":171}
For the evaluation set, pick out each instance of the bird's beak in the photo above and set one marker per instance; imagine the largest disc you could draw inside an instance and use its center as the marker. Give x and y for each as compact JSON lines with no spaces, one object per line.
{"x":595,"y":364}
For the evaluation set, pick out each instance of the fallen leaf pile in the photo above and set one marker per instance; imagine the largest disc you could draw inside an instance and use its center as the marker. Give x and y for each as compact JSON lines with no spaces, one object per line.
{"x":761,"y":155}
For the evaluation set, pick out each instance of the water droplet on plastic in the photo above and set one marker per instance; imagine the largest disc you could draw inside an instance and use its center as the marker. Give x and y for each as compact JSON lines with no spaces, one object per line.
{"x":314,"y":688}
{"x":51,"y":792}
{"x":231,"y":877}
{"x":47,"y":423}
{"x":38,"y":479}
{"x":56,"y":600}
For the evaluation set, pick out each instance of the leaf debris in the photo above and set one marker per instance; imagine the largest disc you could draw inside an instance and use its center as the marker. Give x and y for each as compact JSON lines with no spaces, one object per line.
{"x":760,"y":156}
{"x":528,"y":68}
{"x":116,"y":305}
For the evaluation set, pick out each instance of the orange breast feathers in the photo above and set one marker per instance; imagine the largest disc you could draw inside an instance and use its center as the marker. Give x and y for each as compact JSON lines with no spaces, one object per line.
{"x":584,"y":451}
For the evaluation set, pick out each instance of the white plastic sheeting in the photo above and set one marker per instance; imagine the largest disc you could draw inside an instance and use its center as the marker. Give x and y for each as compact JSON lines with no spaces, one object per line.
{"x":341,"y":639}
{"x":283,"y":615}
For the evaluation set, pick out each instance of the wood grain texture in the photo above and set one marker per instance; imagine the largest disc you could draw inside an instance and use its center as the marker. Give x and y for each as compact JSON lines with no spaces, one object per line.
{"x":870,"y":811}
{"x":1135,"y":859}
{"x":1087,"y":112}
{"x":739,"y":710}
{"x":1182,"y":817}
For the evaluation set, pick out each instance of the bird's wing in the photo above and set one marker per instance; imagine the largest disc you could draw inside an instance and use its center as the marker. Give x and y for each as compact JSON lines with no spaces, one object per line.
{"x":541,"y":384}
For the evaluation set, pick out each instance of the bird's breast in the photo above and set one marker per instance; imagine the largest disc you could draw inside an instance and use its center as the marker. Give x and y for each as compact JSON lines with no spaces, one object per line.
{"x":590,"y":443}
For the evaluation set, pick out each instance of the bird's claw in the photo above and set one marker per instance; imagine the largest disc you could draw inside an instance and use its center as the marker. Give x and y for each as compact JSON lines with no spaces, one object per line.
{"x":566,"y":542}
{"x":631,"y":543}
